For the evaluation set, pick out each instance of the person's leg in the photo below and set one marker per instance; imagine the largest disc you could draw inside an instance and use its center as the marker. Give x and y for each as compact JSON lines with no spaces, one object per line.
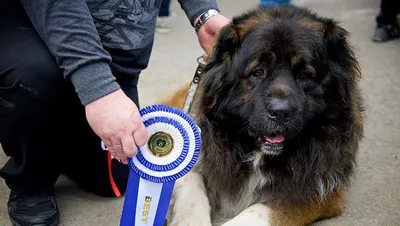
{"x":92,"y":168}
{"x":43,"y":127}
{"x":41,"y":119}
{"x":85,"y":161}
{"x":388,"y":12}
{"x":163,"y":20}
{"x":164,"y":9}
{"x":275,"y":2}
{"x":387,"y":26}
{"x":30,"y":88}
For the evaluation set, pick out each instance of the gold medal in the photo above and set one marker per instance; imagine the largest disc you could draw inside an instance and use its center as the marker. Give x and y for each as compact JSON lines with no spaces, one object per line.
{"x":160,"y":144}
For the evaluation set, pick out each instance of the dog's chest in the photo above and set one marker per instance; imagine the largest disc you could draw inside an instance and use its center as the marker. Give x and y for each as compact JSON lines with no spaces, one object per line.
{"x":226,"y":205}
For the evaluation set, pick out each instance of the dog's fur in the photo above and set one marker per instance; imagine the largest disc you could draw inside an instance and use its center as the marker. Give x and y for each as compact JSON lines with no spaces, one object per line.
{"x":263,"y":57}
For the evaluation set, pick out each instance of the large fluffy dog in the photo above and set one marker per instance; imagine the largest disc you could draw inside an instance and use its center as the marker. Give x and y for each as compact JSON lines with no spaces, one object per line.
{"x":281,"y":119}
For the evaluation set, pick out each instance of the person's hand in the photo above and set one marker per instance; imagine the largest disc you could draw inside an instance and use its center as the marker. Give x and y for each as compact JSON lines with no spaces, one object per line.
{"x":209,"y":31}
{"x":116,"y":120}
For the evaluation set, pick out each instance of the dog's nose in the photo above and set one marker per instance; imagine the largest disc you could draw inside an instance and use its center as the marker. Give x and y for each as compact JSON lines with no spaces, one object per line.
{"x":280,"y":109}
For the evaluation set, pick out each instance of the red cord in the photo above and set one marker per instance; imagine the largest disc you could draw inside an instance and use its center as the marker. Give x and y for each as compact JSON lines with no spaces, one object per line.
{"x":113,"y":185}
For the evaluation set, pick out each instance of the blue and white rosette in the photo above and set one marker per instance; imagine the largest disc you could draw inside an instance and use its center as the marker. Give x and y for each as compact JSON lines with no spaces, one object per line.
{"x":171,"y":151}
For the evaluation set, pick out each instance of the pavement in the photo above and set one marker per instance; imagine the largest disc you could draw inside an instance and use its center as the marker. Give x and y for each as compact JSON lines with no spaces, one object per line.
{"x":375,"y":193}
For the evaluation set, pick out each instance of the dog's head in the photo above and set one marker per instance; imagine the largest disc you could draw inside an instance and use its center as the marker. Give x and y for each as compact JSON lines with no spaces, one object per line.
{"x":275,"y":72}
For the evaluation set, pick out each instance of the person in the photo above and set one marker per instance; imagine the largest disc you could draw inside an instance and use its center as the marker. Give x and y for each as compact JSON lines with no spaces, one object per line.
{"x":275,"y":2}
{"x":387,"y":25}
{"x":69,"y":72}
{"x":163,"y":20}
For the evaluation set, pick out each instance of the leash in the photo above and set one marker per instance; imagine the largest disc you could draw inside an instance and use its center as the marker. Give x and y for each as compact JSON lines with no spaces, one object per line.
{"x":202,"y":62}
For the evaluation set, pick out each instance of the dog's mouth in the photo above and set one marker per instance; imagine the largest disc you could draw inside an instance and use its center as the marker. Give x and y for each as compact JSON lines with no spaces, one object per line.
{"x":271,"y":143}
{"x":273,"y":138}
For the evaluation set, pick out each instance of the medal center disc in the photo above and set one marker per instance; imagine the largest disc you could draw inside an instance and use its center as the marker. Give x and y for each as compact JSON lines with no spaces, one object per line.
{"x":160,"y":144}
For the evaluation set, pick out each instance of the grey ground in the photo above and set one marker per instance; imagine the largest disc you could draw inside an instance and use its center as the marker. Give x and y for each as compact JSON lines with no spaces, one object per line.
{"x":375,"y":194}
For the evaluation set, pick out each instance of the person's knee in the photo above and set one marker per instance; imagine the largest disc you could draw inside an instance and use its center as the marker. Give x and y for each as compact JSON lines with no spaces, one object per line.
{"x":111,"y":191}
{"x":115,"y":185}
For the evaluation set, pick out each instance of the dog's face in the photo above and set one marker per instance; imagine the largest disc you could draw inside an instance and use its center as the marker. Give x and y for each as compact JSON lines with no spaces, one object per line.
{"x":270,"y":78}
{"x":278,"y":72}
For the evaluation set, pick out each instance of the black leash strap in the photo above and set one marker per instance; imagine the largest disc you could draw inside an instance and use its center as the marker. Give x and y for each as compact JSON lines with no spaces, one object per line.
{"x":194,"y":84}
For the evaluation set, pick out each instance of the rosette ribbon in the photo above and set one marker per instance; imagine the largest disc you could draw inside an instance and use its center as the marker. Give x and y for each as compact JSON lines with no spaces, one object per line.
{"x":171,"y":151}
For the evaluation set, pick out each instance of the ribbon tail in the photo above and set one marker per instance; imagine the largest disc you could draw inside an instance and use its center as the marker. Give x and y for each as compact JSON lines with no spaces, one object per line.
{"x":163,"y":205}
{"x":146,"y":203}
{"x":129,"y":210}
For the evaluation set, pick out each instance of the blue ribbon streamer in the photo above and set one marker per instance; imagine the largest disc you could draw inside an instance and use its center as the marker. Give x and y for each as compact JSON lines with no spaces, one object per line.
{"x":147,"y":197}
{"x":131,"y":210}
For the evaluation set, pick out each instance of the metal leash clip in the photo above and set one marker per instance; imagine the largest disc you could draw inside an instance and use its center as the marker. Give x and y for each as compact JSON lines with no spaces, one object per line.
{"x":194,"y":84}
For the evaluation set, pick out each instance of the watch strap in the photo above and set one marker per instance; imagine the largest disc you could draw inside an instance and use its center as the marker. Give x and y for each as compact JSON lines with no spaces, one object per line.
{"x":204,"y":17}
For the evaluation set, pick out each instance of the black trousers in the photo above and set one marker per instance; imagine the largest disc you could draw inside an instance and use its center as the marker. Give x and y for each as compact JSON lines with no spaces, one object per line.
{"x":43,"y":127}
{"x":388,"y":12}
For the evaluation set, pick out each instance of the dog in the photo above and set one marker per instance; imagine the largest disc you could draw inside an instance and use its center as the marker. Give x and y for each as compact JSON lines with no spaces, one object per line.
{"x":281,"y":115}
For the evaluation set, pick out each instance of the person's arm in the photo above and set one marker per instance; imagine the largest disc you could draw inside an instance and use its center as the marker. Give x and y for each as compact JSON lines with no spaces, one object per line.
{"x":194,"y":8}
{"x":68,"y":30}
{"x":208,"y":32}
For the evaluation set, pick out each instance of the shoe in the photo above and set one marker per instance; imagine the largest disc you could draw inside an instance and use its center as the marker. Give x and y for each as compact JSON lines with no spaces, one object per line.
{"x":33,"y":210}
{"x":385,"y":33}
{"x":162,"y":25}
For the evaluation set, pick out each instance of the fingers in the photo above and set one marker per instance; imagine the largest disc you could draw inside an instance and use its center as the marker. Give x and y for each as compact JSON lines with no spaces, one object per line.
{"x":130,"y":142}
{"x":107,"y":143}
{"x":117,"y":146}
{"x":140,"y":135}
{"x":129,"y":145}
{"x":110,"y":148}
{"x":122,"y":147}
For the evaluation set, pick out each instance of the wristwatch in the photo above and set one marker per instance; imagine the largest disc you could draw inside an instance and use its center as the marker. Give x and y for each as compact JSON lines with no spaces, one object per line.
{"x":204,"y":17}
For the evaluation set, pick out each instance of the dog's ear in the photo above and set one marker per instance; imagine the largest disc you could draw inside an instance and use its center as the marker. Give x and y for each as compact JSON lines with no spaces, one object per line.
{"x":217,"y":69}
{"x":344,"y":70}
{"x":339,"y":51}
{"x":226,"y":44}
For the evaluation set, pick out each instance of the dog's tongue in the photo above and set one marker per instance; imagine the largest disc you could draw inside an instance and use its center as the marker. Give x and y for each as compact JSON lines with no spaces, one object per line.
{"x":277,"y":138}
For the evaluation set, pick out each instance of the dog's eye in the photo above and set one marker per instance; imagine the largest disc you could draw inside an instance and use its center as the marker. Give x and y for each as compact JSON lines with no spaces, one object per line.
{"x":258,"y":73}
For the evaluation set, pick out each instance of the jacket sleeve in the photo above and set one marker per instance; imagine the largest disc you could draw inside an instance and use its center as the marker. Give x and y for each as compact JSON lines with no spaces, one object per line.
{"x":194,"y":8}
{"x":68,"y":30}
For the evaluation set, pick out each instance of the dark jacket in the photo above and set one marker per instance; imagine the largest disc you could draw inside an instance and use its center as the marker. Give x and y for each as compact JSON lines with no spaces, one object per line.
{"x":85,"y":37}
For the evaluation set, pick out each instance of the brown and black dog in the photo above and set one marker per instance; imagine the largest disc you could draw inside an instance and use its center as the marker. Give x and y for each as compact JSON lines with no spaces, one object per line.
{"x":281,"y":117}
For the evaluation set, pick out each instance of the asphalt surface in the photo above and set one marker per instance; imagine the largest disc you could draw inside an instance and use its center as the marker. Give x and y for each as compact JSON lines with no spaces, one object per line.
{"x":375,"y":193}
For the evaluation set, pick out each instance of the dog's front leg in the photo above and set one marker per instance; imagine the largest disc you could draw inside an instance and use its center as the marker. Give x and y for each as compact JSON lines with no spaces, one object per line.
{"x":292,"y":215}
{"x":191,"y":205}
{"x":257,"y":214}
